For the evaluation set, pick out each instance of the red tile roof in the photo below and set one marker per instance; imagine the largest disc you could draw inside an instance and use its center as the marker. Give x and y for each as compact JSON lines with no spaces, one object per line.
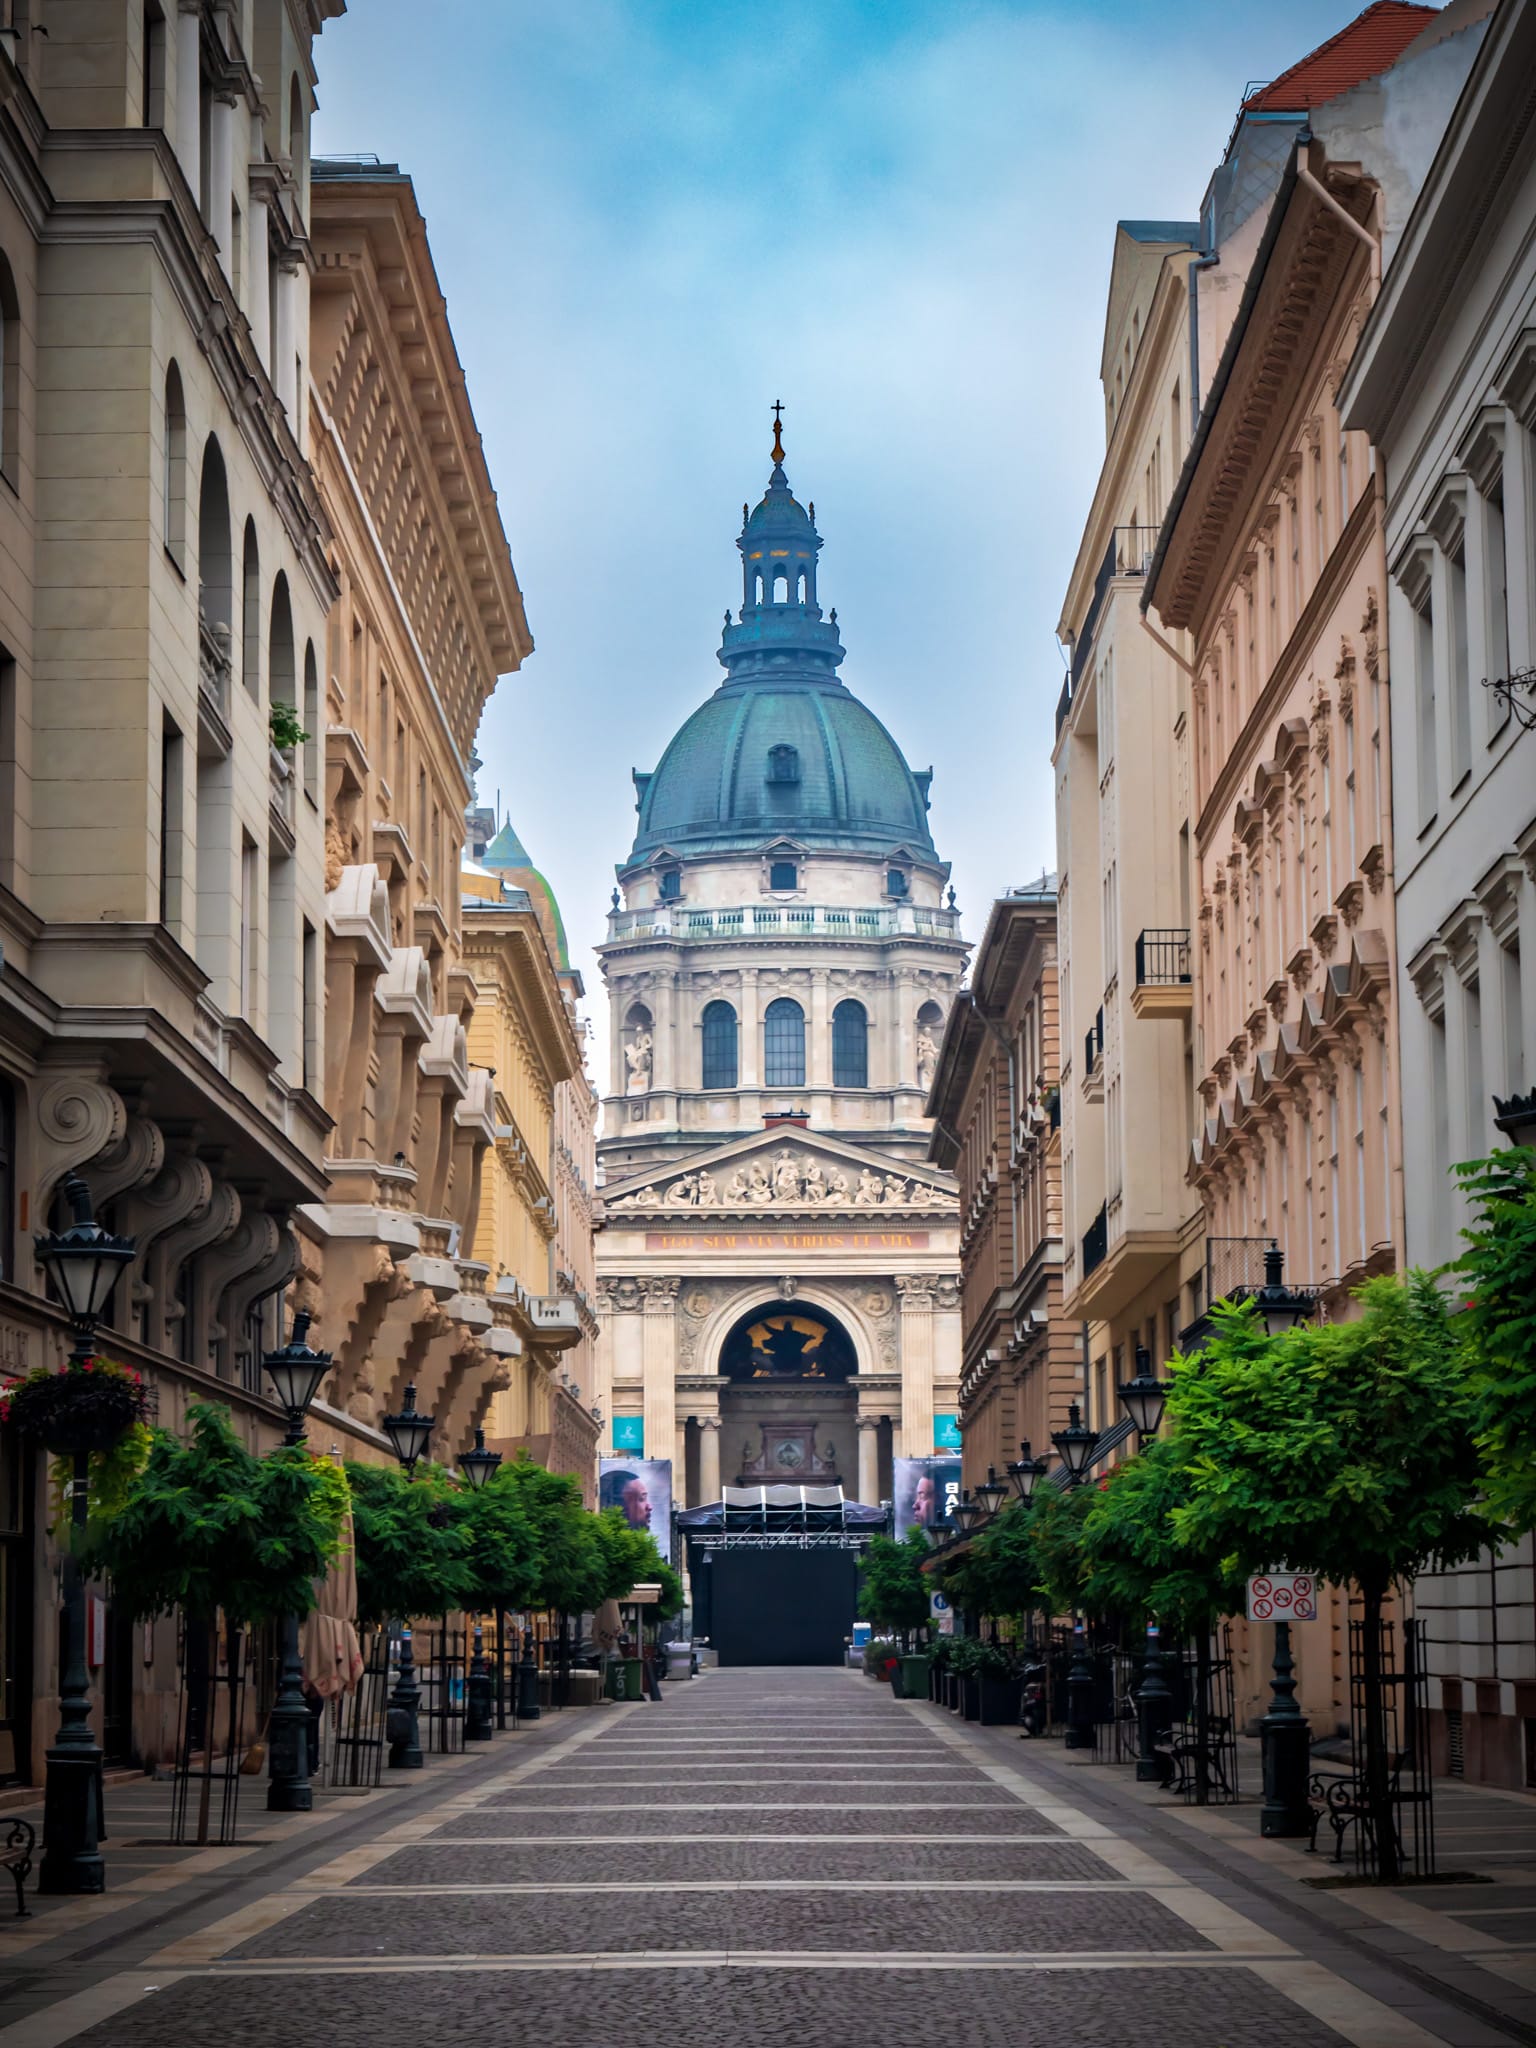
{"x":1370,"y":44}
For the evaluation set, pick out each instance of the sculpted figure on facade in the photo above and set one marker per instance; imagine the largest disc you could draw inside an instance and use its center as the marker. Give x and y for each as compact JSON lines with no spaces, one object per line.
{"x":637,"y":1057}
{"x":759,"y":1188}
{"x":815,"y":1190}
{"x":786,"y":1177}
{"x":708,"y":1193}
{"x":927,"y":1059}
{"x":837,"y":1186}
{"x":869,"y":1189}
{"x":737,"y":1188}
{"x":894,"y":1191}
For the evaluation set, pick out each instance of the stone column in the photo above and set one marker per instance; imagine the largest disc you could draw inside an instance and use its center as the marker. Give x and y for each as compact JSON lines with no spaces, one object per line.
{"x":709,"y":1459}
{"x":658,"y":1346}
{"x":749,"y":1036}
{"x":818,"y":1064}
{"x":284,"y":371}
{"x":189,"y":94}
{"x":257,"y":291}
{"x":869,"y":1460}
{"x":914,"y":1437}
{"x":219,"y":199}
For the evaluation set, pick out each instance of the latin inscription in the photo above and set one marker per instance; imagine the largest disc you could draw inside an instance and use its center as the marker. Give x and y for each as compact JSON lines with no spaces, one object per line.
{"x":787,"y":1241}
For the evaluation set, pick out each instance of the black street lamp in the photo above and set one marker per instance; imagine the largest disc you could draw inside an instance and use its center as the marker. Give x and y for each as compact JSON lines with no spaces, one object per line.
{"x":1026,"y":1472}
{"x":1281,"y":1307}
{"x":991,"y":1492}
{"x":1285,"y":1747}
{"x":1145,"y":1395}
{"x":1080,"y":1690}
{"x":1154,"y":1715}
{"x":296,"y":1372}
{"x":965,"y":1513}
{"x":1515,"y":1116}
{"x":83,"y":1261}
{"x":409,"y":1434}
{"x":478,"y":1468}
{"x":1075,"y":1444}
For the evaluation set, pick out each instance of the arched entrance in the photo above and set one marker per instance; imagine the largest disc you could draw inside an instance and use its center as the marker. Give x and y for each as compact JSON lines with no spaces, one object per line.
{"x":787,"y":1416}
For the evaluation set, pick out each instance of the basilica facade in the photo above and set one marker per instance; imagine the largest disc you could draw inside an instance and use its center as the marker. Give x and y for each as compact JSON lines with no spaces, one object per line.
{"x":777,"y":1263}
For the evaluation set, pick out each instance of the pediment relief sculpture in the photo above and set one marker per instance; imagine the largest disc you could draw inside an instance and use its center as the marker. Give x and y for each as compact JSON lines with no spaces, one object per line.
{"x":790,"y":1180}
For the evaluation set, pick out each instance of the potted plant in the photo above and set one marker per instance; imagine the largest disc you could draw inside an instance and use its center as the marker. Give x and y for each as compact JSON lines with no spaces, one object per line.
{"x":938,"y":1667}
{"x":964,"y":1662}
{"x":998,"y":1686}
{"x":88,"y":1406}
{"x":879,"y":1656}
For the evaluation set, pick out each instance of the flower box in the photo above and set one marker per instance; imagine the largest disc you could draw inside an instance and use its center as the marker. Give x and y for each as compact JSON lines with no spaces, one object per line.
{"x":88,"y":1406}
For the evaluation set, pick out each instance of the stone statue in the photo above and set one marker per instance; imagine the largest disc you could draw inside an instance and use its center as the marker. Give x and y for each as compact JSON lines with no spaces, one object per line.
{"x":868,"y":1194}
{"x":895,"y":1191}
{"x":685,"y":1190}
{"x":815,"y":1184}
{"x":786,"y":1177}
{"x":638,"y":1058}
{"x":736,"y":1188}
{"x":758,"y":1186}
{"x":837,"y":1185}
{"x":708,"y":1193}
{"x":927,"y":1059}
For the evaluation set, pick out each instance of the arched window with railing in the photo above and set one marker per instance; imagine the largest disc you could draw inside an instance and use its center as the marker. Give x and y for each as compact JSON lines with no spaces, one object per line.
{"x":719,"y":1068}
{"x":784,"y":1044}
{"x":850,"y":1045}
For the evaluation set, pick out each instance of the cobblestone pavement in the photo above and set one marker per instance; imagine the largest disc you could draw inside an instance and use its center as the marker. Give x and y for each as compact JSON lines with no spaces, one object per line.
{"x":787,"y":1857}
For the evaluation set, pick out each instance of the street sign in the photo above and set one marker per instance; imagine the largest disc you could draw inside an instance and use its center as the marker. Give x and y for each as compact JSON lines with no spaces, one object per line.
{"x":941,"y":1614}
{"x":1282,"y":1596}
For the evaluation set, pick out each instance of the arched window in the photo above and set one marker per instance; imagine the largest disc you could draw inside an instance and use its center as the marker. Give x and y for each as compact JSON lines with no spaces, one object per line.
{"x":757,"y":587}
{"x":781,"y":586}
{"x":10,"y":373}
{"x":215,"y":561}
{"x":850,"y":1046}
{"x":719,"y":1046}
{"x":250,"y":612}
{"x":173,"y":476}
{"x":281,"y":673}
{"x":298,"y":152}
{"x":784,"y":1044}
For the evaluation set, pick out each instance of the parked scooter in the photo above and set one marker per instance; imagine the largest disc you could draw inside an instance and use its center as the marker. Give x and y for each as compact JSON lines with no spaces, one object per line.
{"x":1032,"y":1708}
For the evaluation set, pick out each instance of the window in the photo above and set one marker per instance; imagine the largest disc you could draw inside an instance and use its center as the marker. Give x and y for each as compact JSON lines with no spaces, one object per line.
{"x":8,"y":715}
{"x":784,"y":1044}
{"x":783,"y":874}
{"x":783,"y":764}
{"x":719,"y":1046}
{"x":310,"y":968}
{"x":311,"y":723}
{"x":281,"y":686}
{"x":671,"y":884}
{"x":153,"y":102}
{"x":1496,"y":601}
{"x":1514,"y":1036}
{"x":7,"y":1175}
{"x":895,"y":882}
{"x":1477,"y":1101}
{"x":10,"y":373}
{"x":250,"y":613}
{"x":247,"y":962}
{"x":850,"y":1046}
{"x":171,"y":842}
{"x":173,"y":478}
{"x":1460,"y":677}
{"x":1424,"y":691}
{"x":781,"y":586}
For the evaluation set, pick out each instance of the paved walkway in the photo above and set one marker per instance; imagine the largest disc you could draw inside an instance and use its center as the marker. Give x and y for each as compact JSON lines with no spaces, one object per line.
{"x":787,"y":1857}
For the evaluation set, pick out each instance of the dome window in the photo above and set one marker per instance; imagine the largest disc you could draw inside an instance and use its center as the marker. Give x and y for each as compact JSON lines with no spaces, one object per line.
{"x":671,"y":884}
{"x":783,"y":763}
{"x":896,"y":882}
{"x":783,"y":874}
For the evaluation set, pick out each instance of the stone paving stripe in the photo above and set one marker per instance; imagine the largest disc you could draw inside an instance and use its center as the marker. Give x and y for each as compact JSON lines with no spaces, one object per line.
{"x":1360,"y":2020}
{"x":680,"y":1793}
{"x":734,"y":1818}
{"x":731,"y":1918}
{"x":716,"y":1860}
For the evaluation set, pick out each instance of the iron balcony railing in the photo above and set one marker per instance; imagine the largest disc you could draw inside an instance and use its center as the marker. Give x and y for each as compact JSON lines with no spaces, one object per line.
{"x":1162,"y":958}
{"x":796,"y":920}
{"x":1093,"y":1047}
{"x":1129,"y":553}
{"x":1096,"y":1241}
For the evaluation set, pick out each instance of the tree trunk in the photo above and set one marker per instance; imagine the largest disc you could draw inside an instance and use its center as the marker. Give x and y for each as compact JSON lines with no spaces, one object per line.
{"x":1380,"y":1817}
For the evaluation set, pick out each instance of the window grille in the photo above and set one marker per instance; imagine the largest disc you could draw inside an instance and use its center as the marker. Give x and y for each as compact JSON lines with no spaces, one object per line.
{"x":784,"y":1044}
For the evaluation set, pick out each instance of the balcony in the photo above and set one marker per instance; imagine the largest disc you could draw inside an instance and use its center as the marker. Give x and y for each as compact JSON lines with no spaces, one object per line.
{"x":1093,"y":1061}
{"x":1095,"y":1243}
{"x":1129,"y":552}
{"x":215,"y":681}
{"x":1234,"y":1270}
{"x":281,"y":806}
{"x":1164,"y":976}
{"x":791,"y":921}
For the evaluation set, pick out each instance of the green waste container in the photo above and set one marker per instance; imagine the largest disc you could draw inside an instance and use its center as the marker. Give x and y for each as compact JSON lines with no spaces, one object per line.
{"x":914,"y":1677}
{"x":634,"y":1679}
{"x":613,"y":1679}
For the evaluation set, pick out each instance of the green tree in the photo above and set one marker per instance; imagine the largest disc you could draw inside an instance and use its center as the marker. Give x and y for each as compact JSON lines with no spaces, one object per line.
{"x":571,"y":1570}
{"x":506,"y":1564}
{"x":893,"y":1593}
{"x":1345,"y":1449}
{"x":411,"y":1543}
{"x":1136,"y":1565}
{"x":207,"y":1525}
{"x":1497,"y":1326}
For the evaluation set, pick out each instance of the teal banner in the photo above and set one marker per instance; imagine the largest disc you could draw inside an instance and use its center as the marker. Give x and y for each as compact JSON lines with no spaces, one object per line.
{"x":946,"y":1432}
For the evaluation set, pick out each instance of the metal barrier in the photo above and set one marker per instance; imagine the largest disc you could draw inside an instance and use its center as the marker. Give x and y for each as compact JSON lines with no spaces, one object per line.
{"x":214,"y":1657}
{"x":442,"y":1675}
{"x":355,"y":1754}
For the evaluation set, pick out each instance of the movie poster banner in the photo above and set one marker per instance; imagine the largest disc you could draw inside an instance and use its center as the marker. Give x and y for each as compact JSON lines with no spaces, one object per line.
{"x":642,"y":1489}
{"x":926,"y":1491}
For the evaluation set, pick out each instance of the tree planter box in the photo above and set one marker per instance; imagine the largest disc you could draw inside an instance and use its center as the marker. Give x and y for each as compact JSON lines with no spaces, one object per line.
{"x":914,"y":1678}
{"x":970,"y":1699}
{"x":951,"y":1692}
{"x":998,"y":1701}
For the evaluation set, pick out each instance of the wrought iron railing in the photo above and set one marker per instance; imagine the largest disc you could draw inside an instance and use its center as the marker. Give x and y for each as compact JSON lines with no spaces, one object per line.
{"x":1096,"y":1241}
{"x":1162,"y":957}
{"x":1093,"y":1048}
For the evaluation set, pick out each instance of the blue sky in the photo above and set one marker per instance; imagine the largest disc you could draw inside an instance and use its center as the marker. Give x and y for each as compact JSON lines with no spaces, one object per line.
{"x":652,"y":219}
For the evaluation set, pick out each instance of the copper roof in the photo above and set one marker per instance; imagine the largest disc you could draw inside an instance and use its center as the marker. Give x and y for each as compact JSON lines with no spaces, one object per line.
{"x":1370,"y":44}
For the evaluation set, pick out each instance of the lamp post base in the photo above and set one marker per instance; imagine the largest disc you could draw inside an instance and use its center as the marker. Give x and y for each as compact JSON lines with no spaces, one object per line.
{"x":71,"y":1860}
{"x":402,"y":1725}
{"x":288,"y":1786}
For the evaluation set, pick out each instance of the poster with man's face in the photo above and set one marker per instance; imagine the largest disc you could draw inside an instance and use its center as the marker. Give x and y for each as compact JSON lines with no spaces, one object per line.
{"x":641,"y":1488}
{"x":926,"y":1492}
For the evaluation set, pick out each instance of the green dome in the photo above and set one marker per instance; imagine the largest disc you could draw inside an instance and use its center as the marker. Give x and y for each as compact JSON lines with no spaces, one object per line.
{"x":727,"y":783}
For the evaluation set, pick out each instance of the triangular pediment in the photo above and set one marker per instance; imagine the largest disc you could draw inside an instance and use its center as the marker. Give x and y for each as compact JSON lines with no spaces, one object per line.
{"x":784,"y":1171}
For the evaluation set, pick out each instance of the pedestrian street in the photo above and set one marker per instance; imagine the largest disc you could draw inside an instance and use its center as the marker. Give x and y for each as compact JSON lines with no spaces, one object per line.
{"x":786,"y":1855}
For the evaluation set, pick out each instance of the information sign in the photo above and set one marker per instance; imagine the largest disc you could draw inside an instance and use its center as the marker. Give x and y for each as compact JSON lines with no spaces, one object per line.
{"x":1282,"y":1596}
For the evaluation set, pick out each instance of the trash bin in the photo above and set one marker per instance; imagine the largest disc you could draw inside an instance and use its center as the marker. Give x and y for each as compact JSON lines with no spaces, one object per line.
{"x":634,"y":1679}
{"x":613,"y":1679}
{"x":679,"y":1660}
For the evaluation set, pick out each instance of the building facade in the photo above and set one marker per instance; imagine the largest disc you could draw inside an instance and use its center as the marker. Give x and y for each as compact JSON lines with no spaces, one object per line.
{"x":996,"y":1109}
{"x":777,"y":1265}
{"x":166,"y":585}
{"x":524,"y":1032}
{"x":1443,"y":382}
{"x":427,"y":617}
{"x":1132,"y":1237}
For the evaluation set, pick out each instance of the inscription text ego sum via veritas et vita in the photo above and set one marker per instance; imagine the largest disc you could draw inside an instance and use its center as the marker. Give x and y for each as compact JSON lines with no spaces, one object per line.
{"x":787,"y":1240}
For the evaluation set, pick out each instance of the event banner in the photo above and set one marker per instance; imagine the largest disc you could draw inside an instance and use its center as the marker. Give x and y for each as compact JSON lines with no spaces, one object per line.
{"x":926,"y":1492}
{"x":642,"y":1488}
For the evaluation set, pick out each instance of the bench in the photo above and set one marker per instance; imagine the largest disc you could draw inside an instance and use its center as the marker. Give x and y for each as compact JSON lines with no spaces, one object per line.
{"x":1185,"y":1751}
{"x":1341,"y":1799}
{"x":16,"y":1858}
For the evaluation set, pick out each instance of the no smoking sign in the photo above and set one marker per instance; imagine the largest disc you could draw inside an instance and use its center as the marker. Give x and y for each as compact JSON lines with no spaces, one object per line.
{"x":1282,"y":1596}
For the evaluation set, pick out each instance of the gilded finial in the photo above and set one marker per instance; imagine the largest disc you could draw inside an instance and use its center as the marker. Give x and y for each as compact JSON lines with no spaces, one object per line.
{"x":778,"y":432}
